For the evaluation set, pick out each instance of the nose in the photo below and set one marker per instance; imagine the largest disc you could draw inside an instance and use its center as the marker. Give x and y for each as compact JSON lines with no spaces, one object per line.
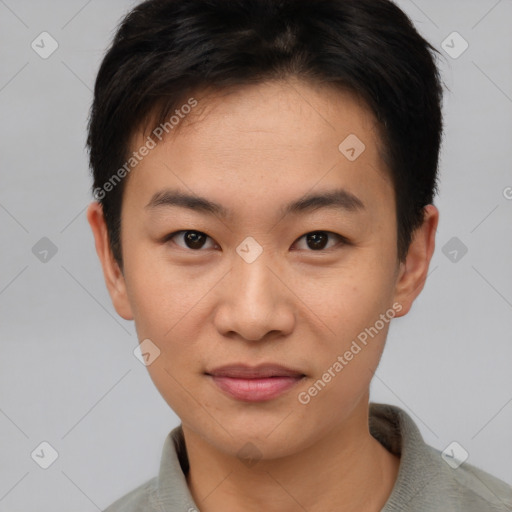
{"x":255,"y":302}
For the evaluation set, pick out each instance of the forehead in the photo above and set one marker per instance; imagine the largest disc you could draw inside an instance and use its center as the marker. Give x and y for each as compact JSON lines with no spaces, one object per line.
{"x":281,"y":138}
{"x":274,"y":115}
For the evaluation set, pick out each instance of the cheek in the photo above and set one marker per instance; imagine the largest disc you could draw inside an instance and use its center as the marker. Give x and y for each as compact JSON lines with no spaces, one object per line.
{"x":349,"y":303}
{"x":165,"y":302}
{"x":169,"y":309}
{"x":349,"y":299}
{"x":160,"y":294}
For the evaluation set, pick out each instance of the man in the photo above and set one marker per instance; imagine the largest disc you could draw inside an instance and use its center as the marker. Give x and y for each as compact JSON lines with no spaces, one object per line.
{"x":264,"y":174}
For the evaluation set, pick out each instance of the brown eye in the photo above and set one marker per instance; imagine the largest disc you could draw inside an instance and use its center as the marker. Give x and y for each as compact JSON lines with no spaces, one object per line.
{"x":318,"y":240}
{"x":193,"y":240}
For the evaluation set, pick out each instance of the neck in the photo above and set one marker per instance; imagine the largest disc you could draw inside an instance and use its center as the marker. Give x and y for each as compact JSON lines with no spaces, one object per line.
{"x":347,"y":470}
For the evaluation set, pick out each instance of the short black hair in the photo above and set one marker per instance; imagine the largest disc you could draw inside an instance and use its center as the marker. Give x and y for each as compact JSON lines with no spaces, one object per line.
{"x":163,"y":50}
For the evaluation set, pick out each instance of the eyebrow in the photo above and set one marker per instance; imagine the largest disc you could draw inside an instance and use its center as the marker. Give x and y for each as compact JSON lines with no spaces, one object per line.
{"x":339,"y":199}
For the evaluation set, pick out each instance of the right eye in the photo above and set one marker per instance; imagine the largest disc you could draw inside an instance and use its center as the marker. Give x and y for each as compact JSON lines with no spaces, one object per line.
{"x":193,"y":240}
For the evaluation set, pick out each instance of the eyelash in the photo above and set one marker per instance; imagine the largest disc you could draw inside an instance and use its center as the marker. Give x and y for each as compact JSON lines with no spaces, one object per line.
{"x":342,"y":240}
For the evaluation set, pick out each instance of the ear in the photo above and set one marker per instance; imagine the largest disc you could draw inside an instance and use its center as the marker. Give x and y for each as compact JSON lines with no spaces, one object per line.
{"x":413,"y":272}
{"x":114,"y":278}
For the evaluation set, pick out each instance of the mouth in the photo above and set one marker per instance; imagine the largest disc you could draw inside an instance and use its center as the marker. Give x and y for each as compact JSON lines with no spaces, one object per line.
{"x":255,"y":384}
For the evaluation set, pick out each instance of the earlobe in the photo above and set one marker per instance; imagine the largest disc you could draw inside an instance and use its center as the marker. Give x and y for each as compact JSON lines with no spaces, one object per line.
{"x":112,"y":274}
{"x":413,"y":272}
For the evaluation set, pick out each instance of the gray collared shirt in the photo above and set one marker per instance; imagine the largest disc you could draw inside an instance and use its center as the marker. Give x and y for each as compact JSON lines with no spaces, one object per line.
{"x":426,"y":482}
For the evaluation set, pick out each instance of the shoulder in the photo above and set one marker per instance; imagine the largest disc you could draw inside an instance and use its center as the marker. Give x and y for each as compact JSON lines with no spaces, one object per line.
{"x":467,"y":487}
{"x":168,"y":490}
{"x":138,"y":499}
{"x":430,"y":480}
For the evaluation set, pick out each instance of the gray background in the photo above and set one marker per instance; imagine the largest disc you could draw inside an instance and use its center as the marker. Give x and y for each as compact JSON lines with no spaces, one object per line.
{"x":68,"y":375}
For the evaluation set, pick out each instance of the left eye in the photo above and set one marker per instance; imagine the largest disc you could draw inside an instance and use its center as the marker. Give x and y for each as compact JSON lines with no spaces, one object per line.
{"x":317,"y":240}
{"x":195,"y":240}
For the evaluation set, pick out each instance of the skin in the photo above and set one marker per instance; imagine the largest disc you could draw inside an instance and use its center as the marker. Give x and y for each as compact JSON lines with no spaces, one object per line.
{"x":253,"y":150}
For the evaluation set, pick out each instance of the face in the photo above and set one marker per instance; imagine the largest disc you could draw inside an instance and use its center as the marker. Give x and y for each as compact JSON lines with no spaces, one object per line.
{"x":296,"y":265}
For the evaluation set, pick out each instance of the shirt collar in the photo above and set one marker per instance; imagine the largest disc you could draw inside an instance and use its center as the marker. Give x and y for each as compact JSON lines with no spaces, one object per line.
{"x":389,"y":424}
{"x":398,"y":433}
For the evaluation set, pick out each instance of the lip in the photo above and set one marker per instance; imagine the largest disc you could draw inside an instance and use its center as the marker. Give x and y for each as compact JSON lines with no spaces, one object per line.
{"x":255,"y":383}
{"x":261,"y":371}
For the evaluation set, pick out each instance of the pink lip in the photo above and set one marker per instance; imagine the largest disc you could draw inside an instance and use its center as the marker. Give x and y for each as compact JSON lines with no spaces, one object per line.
{"x":255,"y":390}
{"x":255,"y":384}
